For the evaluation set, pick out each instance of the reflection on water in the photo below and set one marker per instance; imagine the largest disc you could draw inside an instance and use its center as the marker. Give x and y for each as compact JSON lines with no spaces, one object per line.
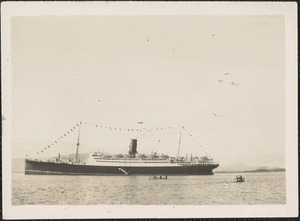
{"x":259,"y":188}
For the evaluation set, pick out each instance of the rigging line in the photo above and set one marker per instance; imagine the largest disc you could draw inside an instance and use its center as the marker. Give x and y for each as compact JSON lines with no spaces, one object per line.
{"x":192,"y":138}
{"x":132,"y":129}
{"x":68,"y":132}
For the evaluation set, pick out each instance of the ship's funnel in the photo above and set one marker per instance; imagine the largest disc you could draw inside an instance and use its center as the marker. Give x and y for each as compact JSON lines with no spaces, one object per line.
{"x":133,"y":147}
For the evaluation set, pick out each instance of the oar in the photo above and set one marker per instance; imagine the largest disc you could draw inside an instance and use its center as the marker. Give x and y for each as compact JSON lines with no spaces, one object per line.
{"x":228,"y":184}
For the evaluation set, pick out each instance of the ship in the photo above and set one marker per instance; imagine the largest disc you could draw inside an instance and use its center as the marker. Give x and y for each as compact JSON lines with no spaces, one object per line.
{"x":133,"y":163}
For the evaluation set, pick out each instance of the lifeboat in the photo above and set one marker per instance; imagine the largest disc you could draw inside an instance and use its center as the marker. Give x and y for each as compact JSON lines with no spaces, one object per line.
{"x":141,"y":156}
{"x":163,"y":156}
{"x":118,"y":156}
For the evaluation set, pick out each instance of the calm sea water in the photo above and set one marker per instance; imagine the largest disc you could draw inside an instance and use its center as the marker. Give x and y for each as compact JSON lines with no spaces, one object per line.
{"x":259,"y":188}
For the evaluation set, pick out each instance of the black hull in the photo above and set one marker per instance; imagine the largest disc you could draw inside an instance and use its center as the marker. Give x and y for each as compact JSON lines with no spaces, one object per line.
{"x":51,"y":168}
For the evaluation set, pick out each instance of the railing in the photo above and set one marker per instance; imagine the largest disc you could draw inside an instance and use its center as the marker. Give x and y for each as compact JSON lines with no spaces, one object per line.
{"x":137,"y":160}
{"x":122,"y":160}
{"x":196,"y":163}
{"x":133,"y":160}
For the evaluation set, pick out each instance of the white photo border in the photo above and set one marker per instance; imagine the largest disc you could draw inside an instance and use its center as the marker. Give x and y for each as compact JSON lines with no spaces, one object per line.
{"x":287,"y":9}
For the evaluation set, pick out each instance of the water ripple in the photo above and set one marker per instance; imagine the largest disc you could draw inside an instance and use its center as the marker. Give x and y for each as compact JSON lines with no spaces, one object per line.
{"x":259,"y":188}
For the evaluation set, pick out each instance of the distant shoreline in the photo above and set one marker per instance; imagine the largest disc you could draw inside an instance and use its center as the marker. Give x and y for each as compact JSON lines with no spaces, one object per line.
{"x":254,"y":171}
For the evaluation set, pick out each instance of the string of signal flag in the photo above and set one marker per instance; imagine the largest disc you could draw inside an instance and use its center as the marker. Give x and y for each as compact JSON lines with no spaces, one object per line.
{"x":113,"y":129}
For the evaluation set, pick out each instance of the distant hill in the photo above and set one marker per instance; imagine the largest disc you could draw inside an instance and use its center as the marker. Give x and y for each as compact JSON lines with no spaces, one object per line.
{"x":18,"y":165}
{"x":260,"y":170}
{"x":270,"y":170}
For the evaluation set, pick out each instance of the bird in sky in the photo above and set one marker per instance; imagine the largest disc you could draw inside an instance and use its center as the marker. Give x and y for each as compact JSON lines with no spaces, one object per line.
{"x":217,"y":115}
{"x":234,"y":84}
{"x":220,"y":81}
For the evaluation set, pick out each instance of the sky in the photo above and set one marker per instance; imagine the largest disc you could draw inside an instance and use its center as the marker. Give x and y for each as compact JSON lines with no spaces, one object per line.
{"x":221,"y":77}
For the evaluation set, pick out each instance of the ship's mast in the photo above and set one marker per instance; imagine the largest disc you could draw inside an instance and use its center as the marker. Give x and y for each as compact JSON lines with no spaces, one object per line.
{"x":179,"y":143}
{"x":78,"y":143}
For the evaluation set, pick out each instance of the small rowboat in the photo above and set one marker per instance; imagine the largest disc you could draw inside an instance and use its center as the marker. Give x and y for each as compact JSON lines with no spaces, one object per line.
{"x":158,"y":178}
{"x":239,"y":179}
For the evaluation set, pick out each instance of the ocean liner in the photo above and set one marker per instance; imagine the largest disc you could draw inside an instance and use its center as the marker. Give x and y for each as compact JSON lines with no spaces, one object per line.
{"x":132,"y":163}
